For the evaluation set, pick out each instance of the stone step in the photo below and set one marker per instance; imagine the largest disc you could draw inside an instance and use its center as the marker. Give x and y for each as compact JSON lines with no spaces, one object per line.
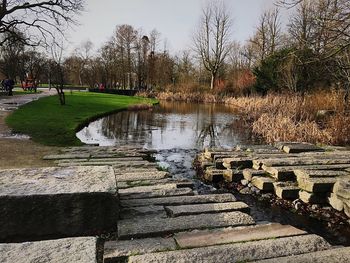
{"x":78,"y":249}
{"x":155,"y":193}
{"x":233,"y":175}
{"x":342,"y":188}
{"x":249,"y":173}
{"x":146,"y":227}
{"x":263,"y":183}
{"x":121,"y":159}
{"x":304,"y":173}
{"x":127,"y":176}
{"x":142,"y":211}
{"x":317,"y":185}
{"x":134,"y":164}
{"x":181,"y":200}
{"x":335,"y":255}
{"x":313,"y":198}
{"x":147,"y":188}
{"x":123,"y":248}
{"x":286,"y":173}
{"x":286,"y":190}
{"x":180,"y":183}
{"x":238,"y":163}
{"x":239,"y":252}
{"x":67,"y":156}
{"x":301,"y":161}
{"x":301,"y":147}
{"x":213,"y":175}
{"x":182,"y":210}
{"x":335,"y":202}
{"x":233,"y":235}
{"x":53,"y":201}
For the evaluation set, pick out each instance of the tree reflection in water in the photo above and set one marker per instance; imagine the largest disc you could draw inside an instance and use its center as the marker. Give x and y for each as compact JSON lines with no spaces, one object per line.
{"x":170,"y":125}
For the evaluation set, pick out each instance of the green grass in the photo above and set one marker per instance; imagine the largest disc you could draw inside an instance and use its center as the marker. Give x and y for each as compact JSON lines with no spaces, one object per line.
{"x":49,"y":123}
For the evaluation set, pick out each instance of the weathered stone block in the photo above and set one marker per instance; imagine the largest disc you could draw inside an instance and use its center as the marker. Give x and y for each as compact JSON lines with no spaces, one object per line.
{"x":57,"y":201}
{"x":233,"y":175}
{"x":145,"y":227}
{"x":238,"y":163}
{"x":335,"y":202}
{"x":287,"y":190}
{"x":248,"y":174}
{"x":317,"y":185}
{"x":239,"y":252}
{"x":263,"y":183}
{"x":180,"y":200}
{"x":237,"y":234}
{"x":313,"y":198}
{"x":182,"y":210}
{"x":77,"y":250}
{"x":123,"y":248}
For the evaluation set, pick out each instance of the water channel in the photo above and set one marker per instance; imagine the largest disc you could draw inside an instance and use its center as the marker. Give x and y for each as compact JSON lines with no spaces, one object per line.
{"x":178,"y":131}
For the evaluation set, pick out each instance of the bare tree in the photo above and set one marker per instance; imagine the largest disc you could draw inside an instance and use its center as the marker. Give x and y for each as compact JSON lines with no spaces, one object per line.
{"x":33,"y":21}
{"x":56,"y":71}
{"x":212,"y":39}
{"x":83,"y":55}
{"x":268,"y":35}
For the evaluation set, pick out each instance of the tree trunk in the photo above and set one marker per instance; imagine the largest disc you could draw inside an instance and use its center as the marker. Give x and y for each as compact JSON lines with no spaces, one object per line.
{"x":212,"y":82}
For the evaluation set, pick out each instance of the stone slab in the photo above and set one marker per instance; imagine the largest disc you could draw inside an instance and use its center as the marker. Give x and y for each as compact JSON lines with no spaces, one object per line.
{"x":78,"y":250}
{"x":313,"y":198}
{"x":180,"y":183}
{"x":127,"y":176}
{"x":154,"y":193}
{"x":336,"y":255}
{"x":249,"y":173}
{"x":112,"y":159}
{"x":239,"y":252}
{"x":142,"y":211}
{"x":145,"y":227}
{"x":181,"y":210}
{"x":57,"y":202}
{"x":286,"y":173}
{"x":123,"y":248}
{"x":319,"y":173}
{"x":232,"y":235}
{"x":233,"y":175}
{"x":286,"y":190}
{"x":238,"y":163}
{"x":54,"y":180}
{"x":317,"y":185}
{"x":301,"y":147}
{"x":213,"y":175}
{"x":342,"y":187}
{"x":180,"y":200}
{"x":301,"y":161}
{"x":263,"y":183}
{"x":67,"y":156}
{"x":115,"y":164}
{"x":335,"y":202}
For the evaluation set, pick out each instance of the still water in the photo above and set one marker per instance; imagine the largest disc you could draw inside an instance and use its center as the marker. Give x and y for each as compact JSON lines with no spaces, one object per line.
{"x":169,"y":126}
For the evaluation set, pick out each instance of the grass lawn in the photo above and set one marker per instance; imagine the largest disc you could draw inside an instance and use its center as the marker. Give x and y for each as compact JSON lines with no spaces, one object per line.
{"x":49,"y":123}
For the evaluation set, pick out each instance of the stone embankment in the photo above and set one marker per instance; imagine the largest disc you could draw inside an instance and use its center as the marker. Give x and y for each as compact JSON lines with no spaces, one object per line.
{"x":293,"y":171}
{"x":148,"y":215}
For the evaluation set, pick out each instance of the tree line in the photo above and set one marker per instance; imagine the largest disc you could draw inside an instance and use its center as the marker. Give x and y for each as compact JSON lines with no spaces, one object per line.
{"x":311,"y":51}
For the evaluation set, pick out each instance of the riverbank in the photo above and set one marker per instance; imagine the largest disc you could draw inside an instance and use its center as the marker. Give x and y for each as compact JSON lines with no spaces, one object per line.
{"x":49,"y":123}
{"x":320,"y":117}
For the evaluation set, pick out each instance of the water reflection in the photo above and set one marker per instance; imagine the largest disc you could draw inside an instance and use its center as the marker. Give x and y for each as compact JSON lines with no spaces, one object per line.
{"x":169,"y":125}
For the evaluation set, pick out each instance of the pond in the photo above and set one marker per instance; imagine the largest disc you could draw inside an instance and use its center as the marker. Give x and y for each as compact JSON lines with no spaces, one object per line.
{"x":178,"y":131}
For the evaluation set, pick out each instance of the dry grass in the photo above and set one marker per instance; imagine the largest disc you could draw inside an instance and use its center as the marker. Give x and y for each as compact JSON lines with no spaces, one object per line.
{"x":291,"y":117}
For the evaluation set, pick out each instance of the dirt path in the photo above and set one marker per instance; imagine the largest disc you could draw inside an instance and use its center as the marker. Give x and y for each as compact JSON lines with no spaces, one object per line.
{"x":20,"y":152}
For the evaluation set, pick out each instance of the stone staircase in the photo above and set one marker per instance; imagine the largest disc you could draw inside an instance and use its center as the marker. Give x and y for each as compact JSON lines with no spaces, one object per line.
{"x":157,"y":218}
{"x":289,"y":170}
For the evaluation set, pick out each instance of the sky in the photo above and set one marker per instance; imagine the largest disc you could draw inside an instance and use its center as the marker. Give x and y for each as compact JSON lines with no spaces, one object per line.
{"x":176,"y":20}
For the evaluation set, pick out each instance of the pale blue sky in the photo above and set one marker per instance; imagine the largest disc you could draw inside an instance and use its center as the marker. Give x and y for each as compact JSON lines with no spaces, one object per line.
{"x":174,"y":19}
